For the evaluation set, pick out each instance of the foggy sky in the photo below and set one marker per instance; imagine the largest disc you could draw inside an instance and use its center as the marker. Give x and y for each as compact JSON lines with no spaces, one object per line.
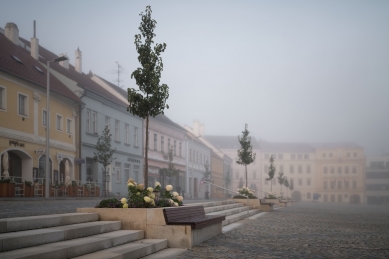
{"x":295,"y":71}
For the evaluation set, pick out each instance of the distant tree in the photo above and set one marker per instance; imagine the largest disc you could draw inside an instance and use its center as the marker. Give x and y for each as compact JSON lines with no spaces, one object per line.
{"x":240,"y":185}
{"x":171,"y":171}
{"x":286,"y":184}
{"x":291,"y":187}
{"x":207,"y":172}
{"x":245,"y":153}
{"x":104,"y":153}
{"x":150,"y":99}
{"x":281,"y":179}
{"x":272,"y":171}
{"x":227,"y":178}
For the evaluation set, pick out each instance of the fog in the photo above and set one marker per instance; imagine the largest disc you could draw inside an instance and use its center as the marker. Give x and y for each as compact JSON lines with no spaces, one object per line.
{"x":294,"y":71}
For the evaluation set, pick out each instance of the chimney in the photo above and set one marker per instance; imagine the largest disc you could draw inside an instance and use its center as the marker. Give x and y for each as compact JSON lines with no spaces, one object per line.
{"x":196,"y":127}
{"x":11,"y":31}
{"x":78,"y":64}
{"x":201,"y":129}
{"x":64,"y":63}
{"x":35,"y":45}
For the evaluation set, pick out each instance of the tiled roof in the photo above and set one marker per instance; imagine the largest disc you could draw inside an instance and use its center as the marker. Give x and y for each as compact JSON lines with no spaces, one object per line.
{"x":82,"y":79}
{"x":229,"y":142}
{"x":335,"y":145}
{"x":117,"y":88}
{"x":285,"y":147}
{"x":26,"y":68}
{"x":163,"y":118}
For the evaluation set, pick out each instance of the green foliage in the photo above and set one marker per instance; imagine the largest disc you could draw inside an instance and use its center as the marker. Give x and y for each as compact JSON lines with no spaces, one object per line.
{"x":281,"y":179}
{"x":171,"y":170}
{"x":150,"y":98}
{"x":227,"y":179}
{"x":207,"y":173}
{"x":291,"y":187}
{"x":74,"y":184}
{"x":272,"y":171}
{"x":109,"y":203}
{"x":104,"y":152}
{"x":245,"y":153}
{"x":7,"y":180}
{"x":29,"y":183}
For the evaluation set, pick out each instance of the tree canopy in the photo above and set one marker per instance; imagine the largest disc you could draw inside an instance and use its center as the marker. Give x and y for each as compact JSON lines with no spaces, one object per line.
{"x":245,"y":153}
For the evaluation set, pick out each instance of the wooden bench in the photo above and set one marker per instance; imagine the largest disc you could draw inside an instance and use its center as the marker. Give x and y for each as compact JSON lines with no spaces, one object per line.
{"x":190,"y":215}
{"x":265,"y":206}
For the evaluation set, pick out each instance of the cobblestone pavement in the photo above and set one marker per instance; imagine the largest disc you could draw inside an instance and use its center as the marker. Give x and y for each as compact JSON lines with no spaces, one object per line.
{"x":305,"y":230}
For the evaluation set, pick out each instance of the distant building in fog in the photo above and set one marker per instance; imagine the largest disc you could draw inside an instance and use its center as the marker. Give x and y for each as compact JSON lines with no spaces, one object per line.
{"x":296,"y":161}
{"x":377,"y":179}
{"x":340,"y":172}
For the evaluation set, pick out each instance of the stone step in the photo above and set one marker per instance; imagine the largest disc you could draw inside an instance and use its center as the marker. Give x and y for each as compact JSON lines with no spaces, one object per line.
{"x":35,"y":237}
{"x":166,"y":253}
{"x":45,"y":221}
{"x":137,"y":249}
{"x":222,"y":207}
{"x":211,"y":203}
{"x":239,"y":216}
{"x":229,"y":212}
{"x":76,"y":247}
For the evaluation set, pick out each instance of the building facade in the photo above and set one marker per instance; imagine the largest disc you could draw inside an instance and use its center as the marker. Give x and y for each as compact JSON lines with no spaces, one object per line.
{"x":377,"y":179}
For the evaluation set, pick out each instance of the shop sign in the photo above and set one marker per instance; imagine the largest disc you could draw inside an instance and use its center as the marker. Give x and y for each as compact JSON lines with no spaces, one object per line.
{"x":16,"y":143}
{"x":131,"y":159}
{"x":40,"y":151}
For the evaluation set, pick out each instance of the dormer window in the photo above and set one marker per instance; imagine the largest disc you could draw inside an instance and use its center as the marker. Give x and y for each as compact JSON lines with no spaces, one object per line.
{"x":17,"y":59}
{"x":40,"y":70}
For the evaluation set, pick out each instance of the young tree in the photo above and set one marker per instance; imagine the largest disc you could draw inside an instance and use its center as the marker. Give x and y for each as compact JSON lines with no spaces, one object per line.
{"x":286,"y":184}
{"x":272,"y":171}
{"x":104,"y":153}
{"x":171,"y":171}
{"x":207,"y":173}
{"x":150,"y":99}
{"x":227,"y":178}
{"x":281,"y":179}
{"x":245,"y":153}
{"x":291,"y":187}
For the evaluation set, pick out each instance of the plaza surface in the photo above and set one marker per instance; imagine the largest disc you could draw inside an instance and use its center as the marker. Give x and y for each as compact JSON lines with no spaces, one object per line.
{"x":305,"y":230}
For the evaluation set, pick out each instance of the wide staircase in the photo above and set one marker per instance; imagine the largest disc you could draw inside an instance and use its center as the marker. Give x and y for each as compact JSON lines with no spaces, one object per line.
{"x":75,"y":235}
{"x":233,"y":211}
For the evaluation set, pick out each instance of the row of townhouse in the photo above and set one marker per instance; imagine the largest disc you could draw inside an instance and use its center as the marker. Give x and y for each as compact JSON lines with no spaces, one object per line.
{"x":81,"y":106}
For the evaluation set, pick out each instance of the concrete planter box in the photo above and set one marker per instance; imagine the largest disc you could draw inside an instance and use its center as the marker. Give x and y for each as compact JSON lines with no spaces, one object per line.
{"x":152,"y":222}
{"x":7,"y":190}
{"x":275,"y":201}
{"x":28,"y":191}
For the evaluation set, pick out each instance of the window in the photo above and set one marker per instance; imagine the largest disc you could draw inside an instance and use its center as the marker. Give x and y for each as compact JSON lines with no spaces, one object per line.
{"x":280,"y":156}
{"x":339,"y":169}
{"x":308,"y":169}
{"x":126,"y":172}
{"x":44,"y":118}
{"x":332,"y":170}
{"x":175,"y":148}
{"x":324,"y":155}
{"x":59,"y":122}
{"x":155,"y":141}
{"x":308,"y":181}
{"x":69,"y":126}
{"x":330,"y":155}
{"x":168,"y":144}
{"x":135,"y":173}
{"x":94,"y":122}
{"x":292,"y":169}
{"x":162,"y":144}
{"x":3,"y":98}
{"x":354,"y":169}
{"x":355,"y":154}
{"x":325,"y":185}
{"x":300,"y":156}
{"x":339,"y":185}
{"x":332,"y":184}
{"x":127,"y":128}
{"x":117,"y":130}
{"x":346,"y":184}
{"x":325,"y":170}
{"x":354,"y":184}
{"x":88,"y":120}
{"x":306,"y":156}
{"x":300,"y":182}
{"x":346,"y":169}
{"x":136,"y":138}
{"x":293,"y":156}
{"x":23,"y":105}
{"x":300,"y":169}
{"x":190,"y":155}
{"x":180,"y":149}
{"x":117,"y":171}
{"x":108,"y":122}
{"x":254,"y":175}
{"x":308,"y":195}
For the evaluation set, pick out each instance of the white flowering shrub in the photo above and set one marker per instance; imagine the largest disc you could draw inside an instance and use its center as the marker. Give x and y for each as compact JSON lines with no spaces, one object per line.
{"x":244,"y":193}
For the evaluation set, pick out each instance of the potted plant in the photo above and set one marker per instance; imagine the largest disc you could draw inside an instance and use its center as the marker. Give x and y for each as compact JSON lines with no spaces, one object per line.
{"x":28,"y":189}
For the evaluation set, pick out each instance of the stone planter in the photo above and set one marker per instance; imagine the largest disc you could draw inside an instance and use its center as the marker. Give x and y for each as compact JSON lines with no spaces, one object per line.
{"x":28,"y":190}
{"x":7,"y":190}
{"x":275,"y":201}
{"x":72,"y":191}
{"x":253,"y":203}
{"x":152,"y":222}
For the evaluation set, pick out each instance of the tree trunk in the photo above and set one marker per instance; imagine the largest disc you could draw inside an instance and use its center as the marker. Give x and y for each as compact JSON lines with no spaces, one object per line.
{"x":246,"y":175}
{"x":271,"y":185}
{"x":146,"y":167}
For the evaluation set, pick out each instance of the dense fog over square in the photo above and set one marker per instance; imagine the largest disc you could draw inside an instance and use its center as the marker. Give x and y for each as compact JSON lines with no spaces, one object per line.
{"x":294,"y":71}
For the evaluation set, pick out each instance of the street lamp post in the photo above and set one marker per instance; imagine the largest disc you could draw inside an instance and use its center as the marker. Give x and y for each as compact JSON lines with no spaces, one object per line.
{"x":47,"y":153}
